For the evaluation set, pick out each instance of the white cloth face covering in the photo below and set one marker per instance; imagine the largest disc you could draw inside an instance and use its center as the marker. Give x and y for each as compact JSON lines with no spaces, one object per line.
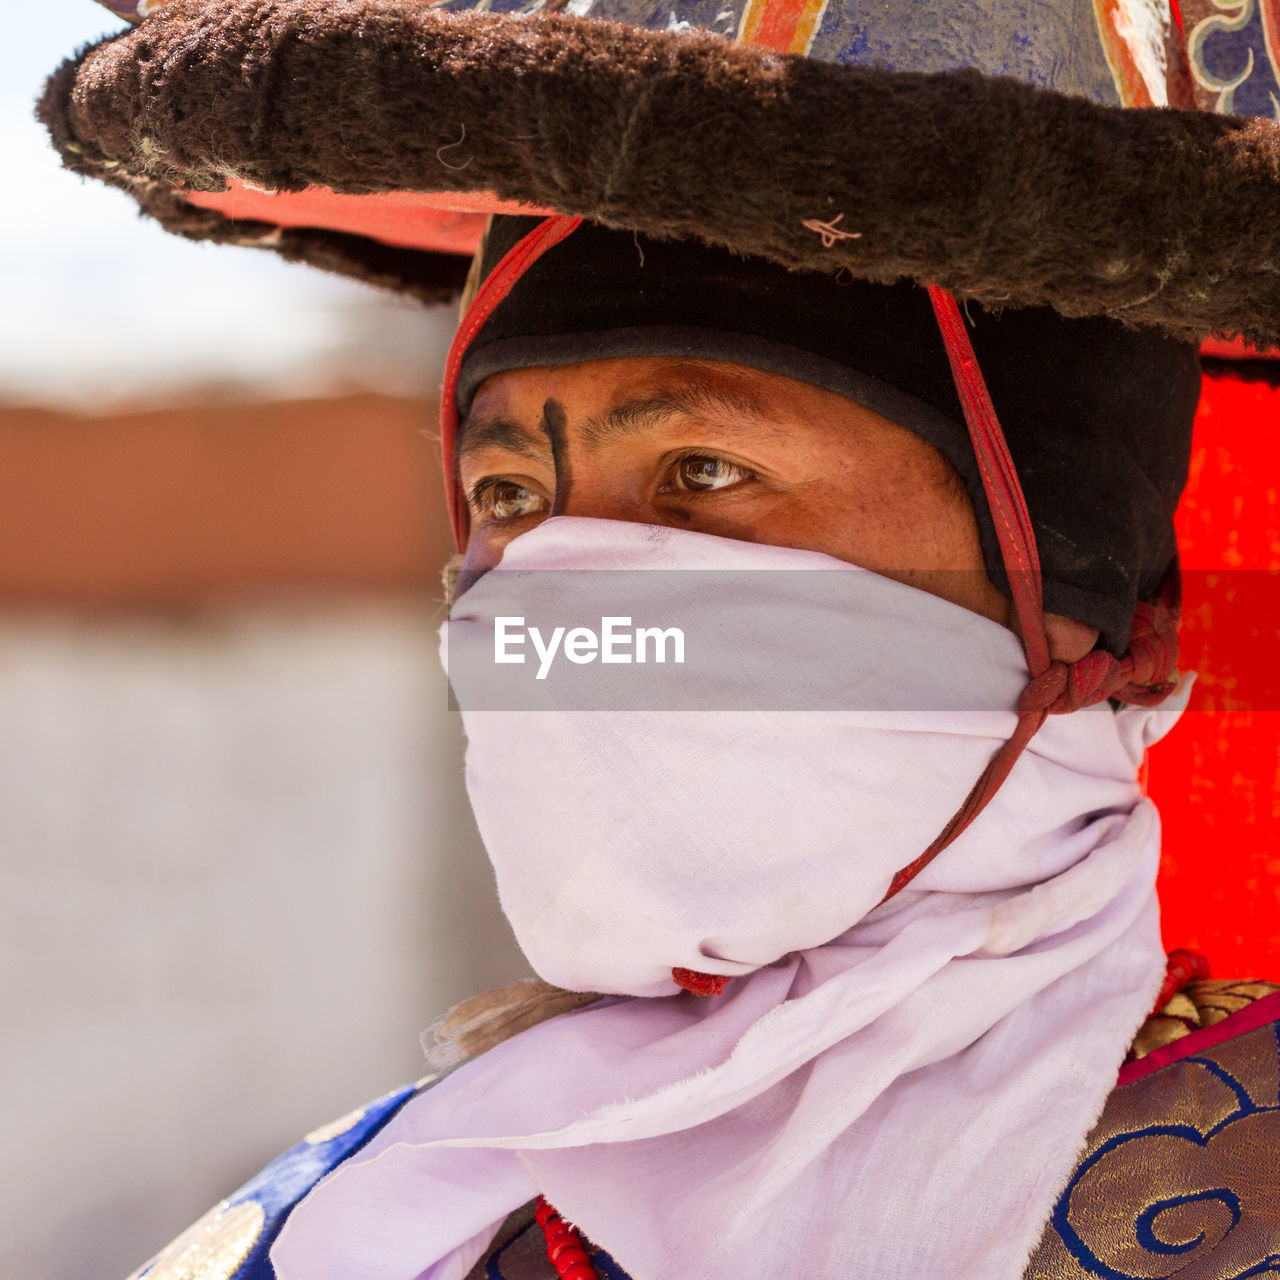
{"x":886,"y":1091}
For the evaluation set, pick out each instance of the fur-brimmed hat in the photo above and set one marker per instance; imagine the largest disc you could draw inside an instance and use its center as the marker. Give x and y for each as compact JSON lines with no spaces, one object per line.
{"x":211,"y":111}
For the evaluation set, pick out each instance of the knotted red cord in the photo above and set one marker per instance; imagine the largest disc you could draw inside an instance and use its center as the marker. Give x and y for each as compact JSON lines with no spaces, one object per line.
{"x":1142,"y":676}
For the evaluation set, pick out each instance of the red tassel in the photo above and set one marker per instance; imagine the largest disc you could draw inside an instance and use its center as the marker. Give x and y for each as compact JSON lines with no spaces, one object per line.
{"x":1182,"y":968}
{"x":700,"y":984}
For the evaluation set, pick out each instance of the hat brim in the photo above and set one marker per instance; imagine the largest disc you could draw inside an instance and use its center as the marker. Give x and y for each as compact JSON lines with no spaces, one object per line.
{"x":995,"y":189}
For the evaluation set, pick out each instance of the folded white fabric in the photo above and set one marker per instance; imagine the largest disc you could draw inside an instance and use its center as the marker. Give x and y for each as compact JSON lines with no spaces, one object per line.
{"x":884,"y":1091}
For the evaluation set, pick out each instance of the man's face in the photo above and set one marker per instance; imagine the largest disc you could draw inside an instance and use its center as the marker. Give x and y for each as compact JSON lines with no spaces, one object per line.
{"x":720,"y":449}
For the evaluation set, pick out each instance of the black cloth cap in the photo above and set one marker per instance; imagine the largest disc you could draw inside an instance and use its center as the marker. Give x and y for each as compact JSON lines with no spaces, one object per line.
{"x":1097,"y":416}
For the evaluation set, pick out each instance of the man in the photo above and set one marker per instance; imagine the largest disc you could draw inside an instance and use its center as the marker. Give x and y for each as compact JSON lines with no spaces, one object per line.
{"x":983,"y":1012}
{"x":675,"y":818}
{"x":914,"y":922}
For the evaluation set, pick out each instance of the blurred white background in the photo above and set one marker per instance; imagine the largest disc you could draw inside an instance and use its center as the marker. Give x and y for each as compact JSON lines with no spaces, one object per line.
{"x":239,"y":873}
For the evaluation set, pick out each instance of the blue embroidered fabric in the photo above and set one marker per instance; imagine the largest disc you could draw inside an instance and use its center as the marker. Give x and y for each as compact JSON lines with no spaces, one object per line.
{"x":1179,"y":1176}
{"x":273,"y":1194}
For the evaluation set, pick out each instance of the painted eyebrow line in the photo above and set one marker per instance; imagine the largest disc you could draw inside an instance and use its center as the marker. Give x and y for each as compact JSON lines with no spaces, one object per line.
{"x":631,"y":417}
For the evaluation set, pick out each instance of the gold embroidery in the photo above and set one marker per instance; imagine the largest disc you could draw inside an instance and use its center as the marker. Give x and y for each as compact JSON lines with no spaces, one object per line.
{"x":1202,"y":1004}
{"x":213,"y":1249}
{"x":1217,"y":999}
{"x":1178,"y":1177}
{"x":1178,"y":1018}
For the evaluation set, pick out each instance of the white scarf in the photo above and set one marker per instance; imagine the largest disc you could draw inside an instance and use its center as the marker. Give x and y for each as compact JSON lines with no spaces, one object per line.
{"x":886,"y":1092}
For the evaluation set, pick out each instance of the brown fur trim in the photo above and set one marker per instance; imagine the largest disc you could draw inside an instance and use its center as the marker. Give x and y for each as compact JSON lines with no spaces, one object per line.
{"x":994,"y":189}
{"x":428,"y":277}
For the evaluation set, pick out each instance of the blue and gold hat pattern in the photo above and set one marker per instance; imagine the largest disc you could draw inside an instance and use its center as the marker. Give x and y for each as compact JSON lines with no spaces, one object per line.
{"x":1112,"y":51}
{"x":1234,"y":51}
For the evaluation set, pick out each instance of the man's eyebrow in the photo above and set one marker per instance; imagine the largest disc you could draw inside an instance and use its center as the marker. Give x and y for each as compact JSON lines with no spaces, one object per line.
{"x":637,"y":414}
{"x":686,"y":400}
{"x":505,"y":433}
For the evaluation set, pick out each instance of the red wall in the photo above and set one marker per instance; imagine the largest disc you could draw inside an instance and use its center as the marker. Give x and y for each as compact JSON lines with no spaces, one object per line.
{"x":1216,"y":777}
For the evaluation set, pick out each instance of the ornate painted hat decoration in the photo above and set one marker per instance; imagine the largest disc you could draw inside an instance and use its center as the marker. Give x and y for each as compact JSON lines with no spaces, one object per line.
{"x":901,"y":140}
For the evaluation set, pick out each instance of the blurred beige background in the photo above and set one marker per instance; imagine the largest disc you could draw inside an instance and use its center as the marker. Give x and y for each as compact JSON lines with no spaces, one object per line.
{"x":239,"y":871}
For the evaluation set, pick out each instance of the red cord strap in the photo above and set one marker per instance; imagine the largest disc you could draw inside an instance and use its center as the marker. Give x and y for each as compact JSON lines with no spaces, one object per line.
{"x":999,"y":480}
{"x":1143,"y":676}
{"x":496,"y":286}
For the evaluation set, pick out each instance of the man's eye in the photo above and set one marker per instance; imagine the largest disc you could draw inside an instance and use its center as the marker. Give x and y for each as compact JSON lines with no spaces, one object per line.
{"x":505,"y":500}
{"x":702,"y":472}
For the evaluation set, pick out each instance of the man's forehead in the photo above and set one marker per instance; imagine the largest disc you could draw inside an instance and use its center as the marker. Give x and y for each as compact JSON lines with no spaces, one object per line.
{"x":606,"y":398}
{"x":624,"y":378}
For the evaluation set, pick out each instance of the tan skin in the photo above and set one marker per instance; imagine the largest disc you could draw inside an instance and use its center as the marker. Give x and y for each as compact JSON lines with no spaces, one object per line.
{"x":731,"y":451}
